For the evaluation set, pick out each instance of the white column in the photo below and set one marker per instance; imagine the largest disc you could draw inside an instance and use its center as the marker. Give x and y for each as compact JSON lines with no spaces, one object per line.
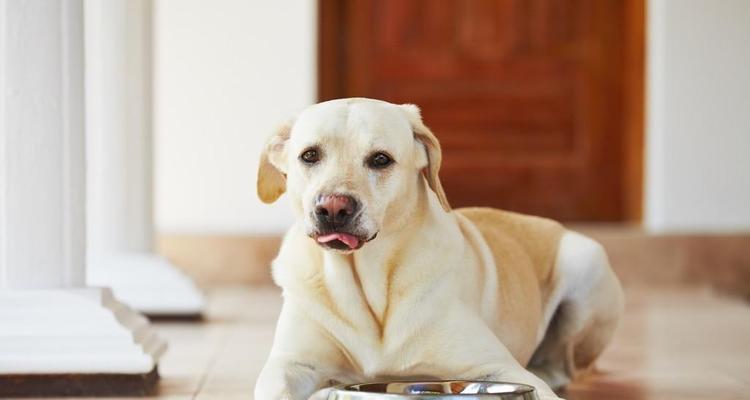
{"x":118,"y":119}
{"x":120,"y":159}
{"x":41,"y":147}
{"x":50,"y":323}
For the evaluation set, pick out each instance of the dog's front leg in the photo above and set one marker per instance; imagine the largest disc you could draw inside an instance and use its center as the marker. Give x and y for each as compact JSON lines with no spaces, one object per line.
{"x":303,"y":359}
{"x":471,"y":351}
{"x":283,"y":379}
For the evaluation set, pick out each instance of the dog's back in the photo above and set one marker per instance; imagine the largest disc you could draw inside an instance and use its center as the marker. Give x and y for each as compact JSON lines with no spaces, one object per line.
{"x":524,"y":249}
{"x":537,"y":238}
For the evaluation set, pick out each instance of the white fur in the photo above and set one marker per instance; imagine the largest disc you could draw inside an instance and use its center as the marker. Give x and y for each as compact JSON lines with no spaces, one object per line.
{"x":594,"y":301}
{"x":421,"y":300}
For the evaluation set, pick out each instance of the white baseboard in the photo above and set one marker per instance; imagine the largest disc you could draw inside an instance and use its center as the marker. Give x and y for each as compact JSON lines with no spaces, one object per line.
{"x":72,"y":331}
{"x":147,"y":283}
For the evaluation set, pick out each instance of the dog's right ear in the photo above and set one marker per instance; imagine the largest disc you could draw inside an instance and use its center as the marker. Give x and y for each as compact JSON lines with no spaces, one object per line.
{"x":271,"y":170}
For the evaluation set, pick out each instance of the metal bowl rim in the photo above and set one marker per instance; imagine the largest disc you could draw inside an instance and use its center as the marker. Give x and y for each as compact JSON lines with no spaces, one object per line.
{"x":526,"y":389}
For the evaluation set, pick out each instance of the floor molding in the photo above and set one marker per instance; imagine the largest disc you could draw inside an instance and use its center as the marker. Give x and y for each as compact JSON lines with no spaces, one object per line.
{"x":217,"y":260}
{"x":147,"y":283}
{"x":721,"y":261}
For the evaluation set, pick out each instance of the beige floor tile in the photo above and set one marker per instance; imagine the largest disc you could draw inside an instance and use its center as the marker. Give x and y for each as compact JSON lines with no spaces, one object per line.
{"x":224,"y":396}
{"x":685,"y":344}
{"x":673,"y":344}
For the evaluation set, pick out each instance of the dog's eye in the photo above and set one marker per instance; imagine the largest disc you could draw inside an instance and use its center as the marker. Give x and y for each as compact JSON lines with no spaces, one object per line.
{"x":379,"y":160}
{"x":310,"y":156}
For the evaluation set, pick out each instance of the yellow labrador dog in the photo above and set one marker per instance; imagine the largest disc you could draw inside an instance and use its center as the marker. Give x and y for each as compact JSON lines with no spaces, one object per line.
{"x":382,"y":280}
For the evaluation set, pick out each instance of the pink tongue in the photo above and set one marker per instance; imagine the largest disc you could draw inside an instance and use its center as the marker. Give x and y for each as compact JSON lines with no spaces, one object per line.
{"x":349,"y":240}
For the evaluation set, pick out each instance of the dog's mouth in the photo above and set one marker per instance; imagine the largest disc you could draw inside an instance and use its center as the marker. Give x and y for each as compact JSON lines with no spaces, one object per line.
{"x":342,"y":241}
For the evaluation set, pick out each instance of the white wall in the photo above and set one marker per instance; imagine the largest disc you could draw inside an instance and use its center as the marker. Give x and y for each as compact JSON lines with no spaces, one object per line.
{"x":698,"y":135}
{"x":226,"y":72}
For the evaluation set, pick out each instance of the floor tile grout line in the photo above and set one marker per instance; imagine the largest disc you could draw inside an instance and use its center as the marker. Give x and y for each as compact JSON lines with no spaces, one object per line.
{"x":212,"y":361}
{"x":210,"y":365}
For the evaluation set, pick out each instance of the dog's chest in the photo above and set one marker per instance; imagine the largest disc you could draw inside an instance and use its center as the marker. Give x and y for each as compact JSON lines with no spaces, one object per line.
{"x":375,"y":349}
{"x":366,"y":311}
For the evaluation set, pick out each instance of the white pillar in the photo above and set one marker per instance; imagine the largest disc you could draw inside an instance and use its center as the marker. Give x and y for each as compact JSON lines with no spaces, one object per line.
{"x":120,"y":159}
{"x":41,"y":147}
{"x":51,"y":325}
{"x":118,"y":119}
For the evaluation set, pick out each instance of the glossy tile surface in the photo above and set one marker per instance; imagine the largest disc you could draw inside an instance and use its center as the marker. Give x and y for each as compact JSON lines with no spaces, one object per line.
{"x":672,"y":344}
{"x":676,"y":344}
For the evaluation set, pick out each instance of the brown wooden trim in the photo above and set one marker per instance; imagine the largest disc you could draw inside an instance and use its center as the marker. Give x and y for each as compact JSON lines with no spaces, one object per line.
{"x":332,"y":36}
{"x":215,"y":260}
{"x":175,"y":317}
{"x":634,"y":109}
{"x":639,"y":258}
{"x":82,"y":385}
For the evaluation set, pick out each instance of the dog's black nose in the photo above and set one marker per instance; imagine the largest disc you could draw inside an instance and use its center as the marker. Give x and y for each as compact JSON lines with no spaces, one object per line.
{"x":335,"y":210}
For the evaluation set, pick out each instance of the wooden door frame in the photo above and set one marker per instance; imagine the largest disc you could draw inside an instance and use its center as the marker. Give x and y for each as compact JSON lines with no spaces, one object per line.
{"x":634,"y":109}
{"x":332,"y":37}
{"x":332,"y":60}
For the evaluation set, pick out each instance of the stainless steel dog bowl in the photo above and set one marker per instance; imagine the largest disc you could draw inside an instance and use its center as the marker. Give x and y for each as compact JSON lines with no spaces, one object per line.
{"x":433,"y":390}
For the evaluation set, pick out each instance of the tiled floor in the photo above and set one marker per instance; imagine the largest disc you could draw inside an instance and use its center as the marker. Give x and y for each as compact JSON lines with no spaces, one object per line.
{"x":673,"y":344}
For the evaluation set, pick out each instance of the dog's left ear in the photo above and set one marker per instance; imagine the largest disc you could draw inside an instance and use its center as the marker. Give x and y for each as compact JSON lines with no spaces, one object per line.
{"x":271,"y":170}
{"x":429,"y":141}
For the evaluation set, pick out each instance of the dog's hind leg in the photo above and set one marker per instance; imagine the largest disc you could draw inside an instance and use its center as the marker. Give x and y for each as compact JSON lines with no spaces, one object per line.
{"x":582,"y":314}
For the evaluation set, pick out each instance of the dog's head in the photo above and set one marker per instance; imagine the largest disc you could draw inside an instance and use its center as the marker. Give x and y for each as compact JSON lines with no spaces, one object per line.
{"x":348,"y":166}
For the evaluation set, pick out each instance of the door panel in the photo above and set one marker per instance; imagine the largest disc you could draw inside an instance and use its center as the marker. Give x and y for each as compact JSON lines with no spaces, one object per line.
{"x":526,"y":96}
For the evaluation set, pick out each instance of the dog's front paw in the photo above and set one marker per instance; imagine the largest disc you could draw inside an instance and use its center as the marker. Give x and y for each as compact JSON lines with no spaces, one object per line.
{"x":321,"y":394}
{"x":263,"y":394}
{"x":283,"y":379}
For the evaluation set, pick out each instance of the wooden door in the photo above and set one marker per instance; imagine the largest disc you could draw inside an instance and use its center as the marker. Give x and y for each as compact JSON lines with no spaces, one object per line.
{"x":536,"y":102}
